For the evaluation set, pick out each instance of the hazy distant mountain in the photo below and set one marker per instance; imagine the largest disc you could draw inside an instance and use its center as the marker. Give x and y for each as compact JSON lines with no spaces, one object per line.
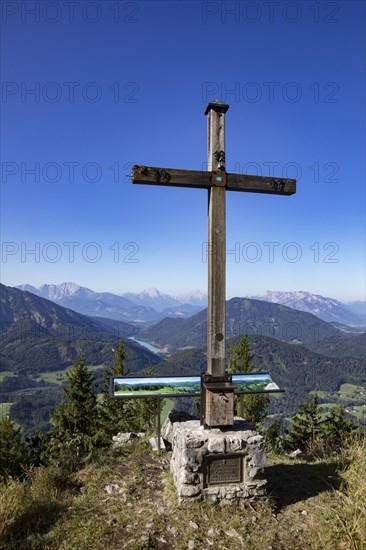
{"x":194,"y":298}
{"x":182,"y":311}
{"x":358,"y":307}
{"x":327,"y":309}
{"x":152,"y":297}
{"x":100,"y":304}
{"x":66,"y":292}
{"x":164,"y":302}
{"x":151,"y":305}
{"x":145,"y":307}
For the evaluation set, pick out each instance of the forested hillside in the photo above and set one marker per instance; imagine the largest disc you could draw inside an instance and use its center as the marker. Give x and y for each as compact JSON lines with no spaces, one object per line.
{"x":295,"y":368}
{"x":258,"y":318}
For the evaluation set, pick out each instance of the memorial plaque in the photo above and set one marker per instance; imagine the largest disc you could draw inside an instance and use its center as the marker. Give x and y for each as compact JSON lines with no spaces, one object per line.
{"x":222,"y":469}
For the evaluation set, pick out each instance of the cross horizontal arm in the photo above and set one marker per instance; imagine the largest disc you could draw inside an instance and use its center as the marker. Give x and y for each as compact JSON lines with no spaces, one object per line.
{"x":260,"y":184}
{"x":173,"y":177}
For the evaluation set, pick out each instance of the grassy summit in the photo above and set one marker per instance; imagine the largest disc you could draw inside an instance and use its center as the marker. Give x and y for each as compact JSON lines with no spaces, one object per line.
{"x":125,"y":499}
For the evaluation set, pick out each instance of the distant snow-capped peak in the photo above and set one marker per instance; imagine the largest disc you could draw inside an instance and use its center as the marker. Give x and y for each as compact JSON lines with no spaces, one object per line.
{"x":55,"y":292}
{"x":152,"y":292}
{"x":299,"y":296}
{"x":325,"y":308}
{"x":195,"y":297}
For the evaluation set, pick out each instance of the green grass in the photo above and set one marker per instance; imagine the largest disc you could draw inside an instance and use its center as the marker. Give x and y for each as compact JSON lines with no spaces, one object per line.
{"x":4,"y":409}
{"x":96,"y":367}
{"x":59,"y":376}
{"x":53,"y":377}
{"x":349,"y":390}
{"x":5,"y":373}
{"x":359,"y":412}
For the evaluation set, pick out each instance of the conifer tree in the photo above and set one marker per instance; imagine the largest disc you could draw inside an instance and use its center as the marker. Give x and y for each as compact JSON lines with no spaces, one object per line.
{"x":241,"y":360}
{"x":273,"y":439}
{"x":75,"y":419}
{"x":306,"y":426}
{"x":337,"y":428}
{"x":255,"y":406}
{"x":116,"y":415}
{"x":12,"y":451}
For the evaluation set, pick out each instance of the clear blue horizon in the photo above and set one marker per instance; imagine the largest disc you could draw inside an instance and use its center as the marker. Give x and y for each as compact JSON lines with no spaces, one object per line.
{"x":91,"y":88}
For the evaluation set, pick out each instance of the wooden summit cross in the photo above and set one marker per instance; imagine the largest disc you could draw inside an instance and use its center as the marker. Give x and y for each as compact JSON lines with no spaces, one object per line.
{"x":218,"y":408}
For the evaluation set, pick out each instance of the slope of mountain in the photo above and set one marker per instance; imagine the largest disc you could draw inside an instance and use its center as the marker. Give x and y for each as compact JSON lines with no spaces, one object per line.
{"x":39,"y":335}
{"x":18,"y":305}
{"x":244,"y":315}
{"x":327,"y":309}
{"x":354,"y":346}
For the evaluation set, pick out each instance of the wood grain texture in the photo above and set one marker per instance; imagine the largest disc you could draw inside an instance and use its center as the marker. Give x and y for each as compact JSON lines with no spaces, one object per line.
{"x":260,"y":184}
{"x":216,"y":312}
{"x":171,"y":177}
{"x":174,"y":177}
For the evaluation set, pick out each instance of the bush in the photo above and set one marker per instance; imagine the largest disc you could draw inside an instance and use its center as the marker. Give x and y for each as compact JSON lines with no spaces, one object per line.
{"x":31,"y":506}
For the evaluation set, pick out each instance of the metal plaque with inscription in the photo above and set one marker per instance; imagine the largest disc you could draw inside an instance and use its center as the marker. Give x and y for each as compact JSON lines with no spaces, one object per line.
{"x":221,"y":469}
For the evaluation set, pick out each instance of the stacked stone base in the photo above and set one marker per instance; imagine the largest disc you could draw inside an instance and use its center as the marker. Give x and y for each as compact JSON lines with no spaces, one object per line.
{"x":196,"y":448}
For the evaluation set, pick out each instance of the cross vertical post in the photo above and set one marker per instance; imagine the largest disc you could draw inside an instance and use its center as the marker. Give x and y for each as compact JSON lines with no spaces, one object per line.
{"x":216,"y":341}
{"x":217,"y":390}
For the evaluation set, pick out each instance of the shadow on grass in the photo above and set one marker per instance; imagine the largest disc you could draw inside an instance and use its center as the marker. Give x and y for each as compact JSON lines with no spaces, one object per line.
{"x":31,"y":525}
{"x":291,"y":483}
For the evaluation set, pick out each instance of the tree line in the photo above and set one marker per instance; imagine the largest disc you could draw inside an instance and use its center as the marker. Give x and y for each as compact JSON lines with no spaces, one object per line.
{"x":81,"y":423}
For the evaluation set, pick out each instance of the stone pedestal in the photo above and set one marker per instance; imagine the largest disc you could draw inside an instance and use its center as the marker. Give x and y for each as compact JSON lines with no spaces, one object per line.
{"x":216,"y":465}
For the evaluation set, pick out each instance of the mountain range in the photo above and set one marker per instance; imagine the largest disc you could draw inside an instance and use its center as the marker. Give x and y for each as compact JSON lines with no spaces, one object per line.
{"x":244,"y":315}
{"x":143,"y":308}
{"x":327,"y":309}
{"x":151,"y":305}
{"x":152,"y":297}
{"x":39,"y":337}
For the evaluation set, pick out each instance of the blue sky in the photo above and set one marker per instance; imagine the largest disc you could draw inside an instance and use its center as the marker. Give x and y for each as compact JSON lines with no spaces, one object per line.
{"x":119,"y":83}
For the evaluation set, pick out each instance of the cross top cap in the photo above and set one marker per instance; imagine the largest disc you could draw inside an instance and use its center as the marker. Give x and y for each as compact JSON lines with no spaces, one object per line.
{"x":217,"y":106}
